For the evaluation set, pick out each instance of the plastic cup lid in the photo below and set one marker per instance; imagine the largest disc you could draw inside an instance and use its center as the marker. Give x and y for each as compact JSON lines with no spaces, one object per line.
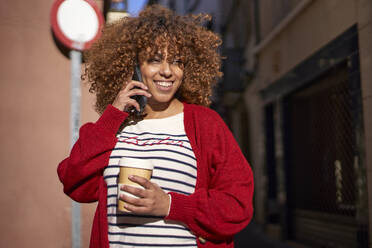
{"x":136,"y":163}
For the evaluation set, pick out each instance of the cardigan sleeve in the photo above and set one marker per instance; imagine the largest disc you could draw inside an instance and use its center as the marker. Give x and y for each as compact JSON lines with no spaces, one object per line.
{"x":224,"y":207}
{"x":81,"y":171}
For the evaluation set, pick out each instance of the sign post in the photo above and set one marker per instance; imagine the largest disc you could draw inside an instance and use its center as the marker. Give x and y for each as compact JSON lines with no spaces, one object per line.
{"x":76,"y":24}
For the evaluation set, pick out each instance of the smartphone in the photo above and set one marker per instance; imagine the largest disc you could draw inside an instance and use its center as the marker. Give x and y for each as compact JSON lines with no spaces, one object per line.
{"x":141,"y":99}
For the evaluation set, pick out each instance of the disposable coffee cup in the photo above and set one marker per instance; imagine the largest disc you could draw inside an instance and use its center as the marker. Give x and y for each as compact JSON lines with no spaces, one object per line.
{"x":132,"y":166}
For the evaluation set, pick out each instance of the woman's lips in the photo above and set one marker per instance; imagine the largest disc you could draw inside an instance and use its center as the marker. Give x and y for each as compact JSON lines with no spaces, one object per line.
{"x":164,"y":85}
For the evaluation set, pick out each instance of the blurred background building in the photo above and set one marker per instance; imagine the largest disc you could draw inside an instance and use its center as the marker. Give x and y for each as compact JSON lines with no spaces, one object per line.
{"x":296,"y":93}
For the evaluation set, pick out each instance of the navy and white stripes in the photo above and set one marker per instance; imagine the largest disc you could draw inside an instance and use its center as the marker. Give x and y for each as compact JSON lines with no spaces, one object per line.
{"x":164,"y":142}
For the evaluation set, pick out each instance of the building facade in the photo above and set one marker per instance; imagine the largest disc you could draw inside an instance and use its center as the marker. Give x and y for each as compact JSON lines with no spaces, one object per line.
{"x":308,"y":106}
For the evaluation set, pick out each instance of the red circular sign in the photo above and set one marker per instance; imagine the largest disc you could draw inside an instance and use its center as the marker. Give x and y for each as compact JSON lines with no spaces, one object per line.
{"x":76,"y":23}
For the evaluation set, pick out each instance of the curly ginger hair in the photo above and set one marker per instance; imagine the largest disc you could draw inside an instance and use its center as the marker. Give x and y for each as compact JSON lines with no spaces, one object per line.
{"x":111,"y":60}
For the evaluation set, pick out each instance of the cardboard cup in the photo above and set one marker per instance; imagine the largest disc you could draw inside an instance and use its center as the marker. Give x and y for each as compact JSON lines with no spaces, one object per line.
{"x":132,"y":166}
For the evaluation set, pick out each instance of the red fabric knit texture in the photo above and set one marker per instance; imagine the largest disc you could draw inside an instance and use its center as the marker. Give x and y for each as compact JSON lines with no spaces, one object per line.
{"x":221,"y":205}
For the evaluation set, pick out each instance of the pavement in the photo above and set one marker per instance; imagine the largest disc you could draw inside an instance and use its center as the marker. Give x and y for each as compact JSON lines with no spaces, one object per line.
{"x":254,"y":237}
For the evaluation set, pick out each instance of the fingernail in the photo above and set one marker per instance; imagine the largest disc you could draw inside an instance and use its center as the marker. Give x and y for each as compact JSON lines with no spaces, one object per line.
{"x":131,"y":177}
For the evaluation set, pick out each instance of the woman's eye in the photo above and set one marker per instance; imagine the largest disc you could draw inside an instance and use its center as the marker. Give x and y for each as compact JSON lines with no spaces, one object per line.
{"x":177,"y":62}
{"x":155,"y":60}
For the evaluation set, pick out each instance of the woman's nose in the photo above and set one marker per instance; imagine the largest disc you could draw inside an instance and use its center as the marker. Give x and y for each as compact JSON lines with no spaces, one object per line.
{"x":165,"y":69}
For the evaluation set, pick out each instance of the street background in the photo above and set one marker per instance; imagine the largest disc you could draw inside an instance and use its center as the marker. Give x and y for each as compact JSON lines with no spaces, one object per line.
{"x":296,"y":93}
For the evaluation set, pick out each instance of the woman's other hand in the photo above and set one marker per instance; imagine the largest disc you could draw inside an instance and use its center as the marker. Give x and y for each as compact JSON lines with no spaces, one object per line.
{"x":152,"y":200}
{"x":124,"y":102}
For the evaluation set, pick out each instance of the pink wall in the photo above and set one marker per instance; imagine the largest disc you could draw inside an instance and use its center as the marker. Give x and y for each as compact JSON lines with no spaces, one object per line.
{"x":34,"y":130}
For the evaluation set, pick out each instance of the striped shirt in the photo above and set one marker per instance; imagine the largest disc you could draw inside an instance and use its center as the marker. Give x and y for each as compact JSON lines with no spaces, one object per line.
{"x":164,"y":142}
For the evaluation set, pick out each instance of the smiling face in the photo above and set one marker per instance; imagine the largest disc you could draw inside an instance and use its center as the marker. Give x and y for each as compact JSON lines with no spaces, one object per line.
{"x":162,"y":77}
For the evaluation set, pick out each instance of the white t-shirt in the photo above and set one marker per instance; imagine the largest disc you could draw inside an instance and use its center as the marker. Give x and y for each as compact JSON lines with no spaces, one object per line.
{"x":164,"y":142}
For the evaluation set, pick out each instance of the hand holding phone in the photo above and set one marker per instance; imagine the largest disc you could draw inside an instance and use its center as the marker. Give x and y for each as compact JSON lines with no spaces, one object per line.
{"x":133,"y":97}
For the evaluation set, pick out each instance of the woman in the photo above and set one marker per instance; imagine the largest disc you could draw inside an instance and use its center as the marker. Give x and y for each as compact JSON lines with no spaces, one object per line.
{"x":200,"y":193}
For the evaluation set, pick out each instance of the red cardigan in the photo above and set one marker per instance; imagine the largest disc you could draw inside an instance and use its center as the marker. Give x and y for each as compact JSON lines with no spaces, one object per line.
{"x":221,"y":205}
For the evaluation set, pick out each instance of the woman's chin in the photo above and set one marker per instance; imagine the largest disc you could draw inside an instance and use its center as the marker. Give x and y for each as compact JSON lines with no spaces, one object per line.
{"x":164,"y":99}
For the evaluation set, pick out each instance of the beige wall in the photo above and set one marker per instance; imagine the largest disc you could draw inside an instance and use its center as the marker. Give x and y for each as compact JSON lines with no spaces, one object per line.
{"x":365,"y":46}
{"x":34,"y":126}
{"x":257,"y":149}
{"x":272,"y":11}
{"x":313,"y":28}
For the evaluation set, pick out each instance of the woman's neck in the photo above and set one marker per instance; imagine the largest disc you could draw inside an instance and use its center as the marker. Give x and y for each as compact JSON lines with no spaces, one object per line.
{"x":162,"y":110}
